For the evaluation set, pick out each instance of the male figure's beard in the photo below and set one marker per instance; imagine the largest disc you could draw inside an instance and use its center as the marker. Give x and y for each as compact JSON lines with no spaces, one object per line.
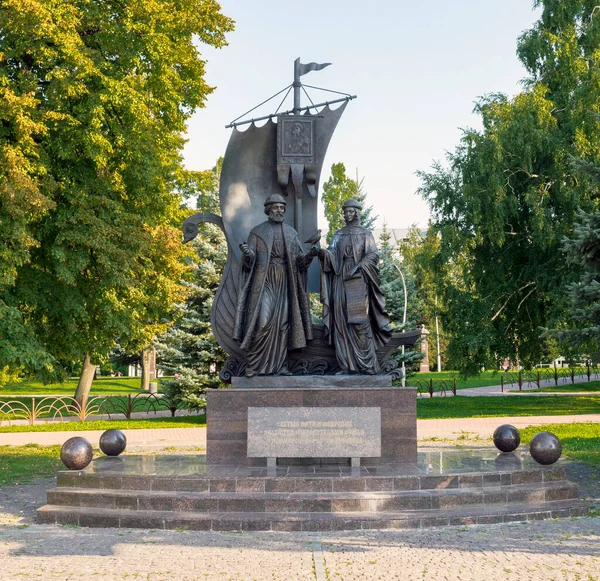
{"x":276,"y":218}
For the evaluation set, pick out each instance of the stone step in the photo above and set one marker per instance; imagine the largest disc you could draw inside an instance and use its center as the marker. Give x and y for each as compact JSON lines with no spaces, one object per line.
{"x":308,"y":521}
{"x":373,"y":501}
{"x":309,"y":482}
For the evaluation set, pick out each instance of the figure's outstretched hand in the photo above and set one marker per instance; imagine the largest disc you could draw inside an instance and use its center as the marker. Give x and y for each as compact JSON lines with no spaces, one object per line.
{"x":245,"y":248}
{"x":314,"y":251}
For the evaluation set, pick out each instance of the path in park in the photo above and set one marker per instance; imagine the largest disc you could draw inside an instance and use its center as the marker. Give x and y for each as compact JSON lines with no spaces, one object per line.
{"x":535,"y":551}
{"x":458,"y":428}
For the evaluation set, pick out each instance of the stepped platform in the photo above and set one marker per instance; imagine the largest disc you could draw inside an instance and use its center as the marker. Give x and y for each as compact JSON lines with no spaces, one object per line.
{"x":184,"y":492}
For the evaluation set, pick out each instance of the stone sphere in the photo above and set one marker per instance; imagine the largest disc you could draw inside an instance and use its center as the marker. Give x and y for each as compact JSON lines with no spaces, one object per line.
{"x":506,"y":438}
{"x":113,"y":442}
{"x":545,"y":448}
{"x":76,"y":453}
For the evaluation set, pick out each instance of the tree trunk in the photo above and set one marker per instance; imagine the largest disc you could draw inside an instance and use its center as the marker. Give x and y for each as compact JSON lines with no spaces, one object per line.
{"x":85,"y":380}
{"x":146,"y":372}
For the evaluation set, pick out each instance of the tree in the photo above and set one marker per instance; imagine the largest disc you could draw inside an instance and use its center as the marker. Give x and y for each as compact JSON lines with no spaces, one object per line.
{"x":100,"y":92}
{"x":582,"y":249}
{"x":429,"y":275}
{"x":509,"y":195}
{"x":336,"y":190}
{"x":189,"y":349}
{"x":393,"y":273}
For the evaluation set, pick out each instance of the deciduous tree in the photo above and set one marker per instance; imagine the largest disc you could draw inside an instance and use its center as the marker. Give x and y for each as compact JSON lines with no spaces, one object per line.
{"x":99,"y":93}
{"x":509,"y":194}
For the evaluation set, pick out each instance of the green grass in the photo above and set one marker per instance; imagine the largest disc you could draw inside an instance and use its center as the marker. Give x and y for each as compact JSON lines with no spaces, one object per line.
{"x":177,"y":422}
{"x":23,"y":464}
{"x":581,"y":442}
{"x":498,"y":406}
{"x":570,"y":387}
{"x":103,"y":385}
{"x":484,"y":379}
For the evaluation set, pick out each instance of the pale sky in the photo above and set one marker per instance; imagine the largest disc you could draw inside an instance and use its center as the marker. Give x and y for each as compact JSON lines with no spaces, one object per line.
{"x":417,"y":69}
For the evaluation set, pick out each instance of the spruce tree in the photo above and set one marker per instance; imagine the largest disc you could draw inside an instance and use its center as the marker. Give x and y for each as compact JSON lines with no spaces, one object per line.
{"x":189,"y":350}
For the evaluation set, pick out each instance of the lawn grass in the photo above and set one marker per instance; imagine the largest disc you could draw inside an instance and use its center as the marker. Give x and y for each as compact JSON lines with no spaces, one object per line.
{"x":580,"y":442}
{"x":570,"y":387}
{"x":102,"y":385}
{"x":484,"y":379}
{"x":498,"y":406}
{"x":177,"y":422}
{"x":23,"y":464}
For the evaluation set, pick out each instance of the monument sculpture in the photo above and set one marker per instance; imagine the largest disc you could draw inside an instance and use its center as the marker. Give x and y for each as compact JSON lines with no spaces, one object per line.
{"x":282,"y":161}
{"x":353,"y":303}
{"x":273,"y":312}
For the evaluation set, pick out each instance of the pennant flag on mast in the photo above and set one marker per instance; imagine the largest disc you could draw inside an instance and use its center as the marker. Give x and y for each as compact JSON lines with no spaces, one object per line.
{"x":306,"y":68}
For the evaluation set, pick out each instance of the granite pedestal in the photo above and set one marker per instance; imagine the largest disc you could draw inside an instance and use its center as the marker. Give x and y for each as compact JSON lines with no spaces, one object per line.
{"x":227,"y":417}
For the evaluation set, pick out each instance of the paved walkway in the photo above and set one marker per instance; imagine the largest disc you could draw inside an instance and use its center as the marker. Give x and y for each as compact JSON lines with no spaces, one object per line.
{"x":459,"y":428}
{"x":535,"y":551}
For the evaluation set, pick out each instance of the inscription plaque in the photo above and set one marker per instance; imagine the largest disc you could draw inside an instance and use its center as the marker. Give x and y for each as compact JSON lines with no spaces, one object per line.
{"x":306,"y":432}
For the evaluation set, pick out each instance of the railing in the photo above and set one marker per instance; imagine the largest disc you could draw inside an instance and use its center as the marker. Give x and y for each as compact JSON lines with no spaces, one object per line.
{"x":63,"y":408}
{"x":512,"y":379}
{"x":533,"y":378}
{"x":432,"y":386}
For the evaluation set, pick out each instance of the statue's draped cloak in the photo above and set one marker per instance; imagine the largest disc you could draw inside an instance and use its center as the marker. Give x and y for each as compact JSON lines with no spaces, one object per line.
{"x":251,"y":296}
{"x":355,"y":344}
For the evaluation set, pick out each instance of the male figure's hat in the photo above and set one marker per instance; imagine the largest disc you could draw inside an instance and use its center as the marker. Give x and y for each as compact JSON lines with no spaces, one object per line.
{"x":275,"y":199}
{"x":352,"y":204}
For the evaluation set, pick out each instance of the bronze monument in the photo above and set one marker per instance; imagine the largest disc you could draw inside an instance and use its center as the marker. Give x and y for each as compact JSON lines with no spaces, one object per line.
{"x":260,"y":313}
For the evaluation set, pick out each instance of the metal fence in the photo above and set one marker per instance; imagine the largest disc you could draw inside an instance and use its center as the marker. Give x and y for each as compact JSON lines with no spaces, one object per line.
{"x":65,"y":408}
{"x":558,"y":375}
{"x":511,"y":380}
{"x":432,"y":386}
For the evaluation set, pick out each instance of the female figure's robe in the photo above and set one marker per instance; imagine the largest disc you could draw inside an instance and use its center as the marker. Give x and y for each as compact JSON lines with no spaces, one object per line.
{"x":354,"y":316}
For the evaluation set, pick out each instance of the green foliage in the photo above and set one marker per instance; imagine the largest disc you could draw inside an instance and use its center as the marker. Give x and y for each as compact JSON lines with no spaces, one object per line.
{"x":96,"y":96}
{"x":392,"y":272}
{"x":188,"y":349}
{"x":422,"y":261}
{"x":509,"y":195}
{"x":583,"y":249}
{"x":336,"y":190}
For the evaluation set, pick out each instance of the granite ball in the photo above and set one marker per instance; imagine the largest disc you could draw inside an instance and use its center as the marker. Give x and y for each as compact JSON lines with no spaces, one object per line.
{"x":506,"y":438}
{"x":545,"y":448}
{"x":113,"y":442}
{"x":76,"y":453}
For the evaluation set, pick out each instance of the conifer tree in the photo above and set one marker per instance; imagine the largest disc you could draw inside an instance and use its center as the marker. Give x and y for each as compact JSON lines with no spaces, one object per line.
{"x":188,"y":349}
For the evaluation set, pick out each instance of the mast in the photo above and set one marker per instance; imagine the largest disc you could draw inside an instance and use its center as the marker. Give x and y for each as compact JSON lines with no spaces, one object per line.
{"x":296,"y":111}
{"x":296,"y":84}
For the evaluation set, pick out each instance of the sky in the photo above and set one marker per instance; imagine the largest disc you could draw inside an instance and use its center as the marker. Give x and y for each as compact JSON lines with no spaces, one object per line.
{"x":417,"y":69}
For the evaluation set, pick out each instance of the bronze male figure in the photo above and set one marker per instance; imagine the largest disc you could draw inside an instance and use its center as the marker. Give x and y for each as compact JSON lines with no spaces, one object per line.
{"x":272,"y":312}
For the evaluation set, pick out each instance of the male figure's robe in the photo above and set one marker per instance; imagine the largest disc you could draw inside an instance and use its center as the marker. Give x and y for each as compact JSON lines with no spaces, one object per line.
{"x":272,"y":311}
